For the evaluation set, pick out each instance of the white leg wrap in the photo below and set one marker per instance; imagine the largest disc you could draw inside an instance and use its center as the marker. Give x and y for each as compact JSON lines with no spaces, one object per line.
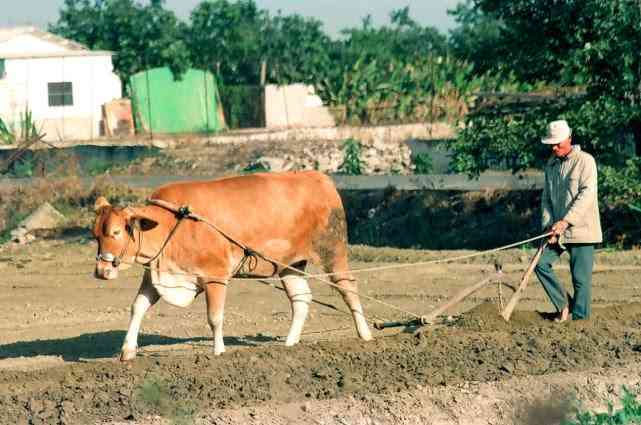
{"x":145,"y":299}
{"x":216,"y":324}
{"x":300,"y":297}
{"x":361,"y":324}
{"x":354,"y":304}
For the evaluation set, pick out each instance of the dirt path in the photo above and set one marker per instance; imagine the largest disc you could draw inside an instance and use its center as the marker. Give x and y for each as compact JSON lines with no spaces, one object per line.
{"x":60,"y":331}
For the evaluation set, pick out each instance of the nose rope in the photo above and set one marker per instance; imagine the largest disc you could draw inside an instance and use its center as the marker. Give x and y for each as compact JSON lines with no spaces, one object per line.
{"x":108,"y":257}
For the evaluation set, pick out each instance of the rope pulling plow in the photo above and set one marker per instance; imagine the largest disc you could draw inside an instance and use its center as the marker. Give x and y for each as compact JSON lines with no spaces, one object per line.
{"x":497,"y":277}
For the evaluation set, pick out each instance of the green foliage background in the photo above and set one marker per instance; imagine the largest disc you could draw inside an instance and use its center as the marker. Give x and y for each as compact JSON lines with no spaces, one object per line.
{"x":406,"y":72}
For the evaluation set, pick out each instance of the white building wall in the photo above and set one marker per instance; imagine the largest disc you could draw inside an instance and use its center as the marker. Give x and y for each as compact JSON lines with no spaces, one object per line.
{"x":93,"y":84}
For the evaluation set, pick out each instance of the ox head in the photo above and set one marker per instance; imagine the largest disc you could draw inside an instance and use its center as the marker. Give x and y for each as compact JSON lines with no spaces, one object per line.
{"x":117,"y":231}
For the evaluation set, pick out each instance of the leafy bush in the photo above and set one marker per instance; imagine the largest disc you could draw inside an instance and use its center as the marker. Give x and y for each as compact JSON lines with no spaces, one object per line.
{"x":620,"y":202}
{"x":23,"y":167}
{"x":352,"y":162}
{"x":621,"y":186}
{"x":255,"y":167}
{"x":96,"y":166}
{"x":629,"y":414}
{"x":6,"y":133}
{"x":422,"y":163}
{"x":28,"y":130}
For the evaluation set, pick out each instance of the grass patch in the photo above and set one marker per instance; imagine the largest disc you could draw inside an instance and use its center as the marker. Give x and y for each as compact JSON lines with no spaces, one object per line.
{"x":155,"y":395}
{"x":630,"y":413}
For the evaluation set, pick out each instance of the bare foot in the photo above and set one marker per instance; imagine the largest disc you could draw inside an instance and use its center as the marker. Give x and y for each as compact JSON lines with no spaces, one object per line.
{"x":563,"y":315}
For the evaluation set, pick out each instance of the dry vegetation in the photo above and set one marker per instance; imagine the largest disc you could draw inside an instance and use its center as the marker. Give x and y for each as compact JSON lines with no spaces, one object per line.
{"x":69,"y":195}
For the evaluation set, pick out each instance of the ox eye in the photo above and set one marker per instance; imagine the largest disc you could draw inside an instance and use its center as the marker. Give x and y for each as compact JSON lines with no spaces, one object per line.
{"x":117,"y":232}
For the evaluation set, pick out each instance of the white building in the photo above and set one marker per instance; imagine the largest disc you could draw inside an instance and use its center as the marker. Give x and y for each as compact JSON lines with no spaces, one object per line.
{"x":61,"y":82}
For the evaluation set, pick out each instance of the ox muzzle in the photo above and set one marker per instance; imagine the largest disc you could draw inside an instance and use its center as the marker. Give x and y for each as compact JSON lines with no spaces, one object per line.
{"x":107,"y":266}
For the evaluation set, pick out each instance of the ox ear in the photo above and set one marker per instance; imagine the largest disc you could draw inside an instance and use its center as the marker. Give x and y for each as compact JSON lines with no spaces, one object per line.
{"x":138,"y":219}
{"x":100,"y":203}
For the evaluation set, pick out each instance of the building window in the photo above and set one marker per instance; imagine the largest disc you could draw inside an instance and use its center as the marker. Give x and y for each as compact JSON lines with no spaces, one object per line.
{"x":2,"y":70}
{"x":60,"y":94}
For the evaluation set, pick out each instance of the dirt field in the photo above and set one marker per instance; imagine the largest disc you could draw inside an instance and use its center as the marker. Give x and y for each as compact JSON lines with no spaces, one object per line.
{"x":61,"y":331}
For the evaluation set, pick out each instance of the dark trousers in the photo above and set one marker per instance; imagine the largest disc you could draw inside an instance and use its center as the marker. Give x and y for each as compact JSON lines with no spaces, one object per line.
{"x":581,"y":263}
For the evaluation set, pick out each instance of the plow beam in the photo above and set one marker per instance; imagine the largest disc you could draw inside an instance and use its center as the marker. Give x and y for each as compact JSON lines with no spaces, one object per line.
{"x":380,"y":325}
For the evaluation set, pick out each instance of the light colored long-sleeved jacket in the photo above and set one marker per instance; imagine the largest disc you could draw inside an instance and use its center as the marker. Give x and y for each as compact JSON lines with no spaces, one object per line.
{"x":570,"y":194}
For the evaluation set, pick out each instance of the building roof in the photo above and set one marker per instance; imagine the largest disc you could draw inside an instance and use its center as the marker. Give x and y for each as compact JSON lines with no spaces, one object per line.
{"x":66,"y":47}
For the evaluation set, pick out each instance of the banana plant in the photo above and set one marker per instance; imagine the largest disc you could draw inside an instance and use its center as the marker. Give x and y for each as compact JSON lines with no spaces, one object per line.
{"x":6,"y":133}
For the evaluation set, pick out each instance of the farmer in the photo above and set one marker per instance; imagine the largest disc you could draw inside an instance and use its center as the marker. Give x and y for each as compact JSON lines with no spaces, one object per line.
{"x":570,"y":210}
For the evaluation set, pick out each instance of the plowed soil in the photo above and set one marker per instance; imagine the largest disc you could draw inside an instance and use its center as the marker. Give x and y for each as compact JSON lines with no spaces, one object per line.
{"x":61,"y":331}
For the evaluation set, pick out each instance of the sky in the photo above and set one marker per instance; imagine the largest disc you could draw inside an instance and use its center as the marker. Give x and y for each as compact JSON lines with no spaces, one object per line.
{"x":335,"y":14}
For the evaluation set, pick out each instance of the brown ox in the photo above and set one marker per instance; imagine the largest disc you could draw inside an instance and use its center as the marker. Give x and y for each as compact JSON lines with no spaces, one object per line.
{"x":290,"y":218}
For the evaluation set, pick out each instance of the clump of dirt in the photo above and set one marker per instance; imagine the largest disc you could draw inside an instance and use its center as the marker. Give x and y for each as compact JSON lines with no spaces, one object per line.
{"x":478,"y":347}
{"x":531,"y":343}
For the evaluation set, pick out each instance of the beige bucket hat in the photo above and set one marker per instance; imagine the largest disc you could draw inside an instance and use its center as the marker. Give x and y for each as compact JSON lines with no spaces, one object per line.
{"x":558,"y":131}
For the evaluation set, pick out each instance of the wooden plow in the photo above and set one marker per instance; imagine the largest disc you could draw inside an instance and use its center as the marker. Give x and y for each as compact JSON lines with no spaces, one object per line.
{"x":497,"y":277}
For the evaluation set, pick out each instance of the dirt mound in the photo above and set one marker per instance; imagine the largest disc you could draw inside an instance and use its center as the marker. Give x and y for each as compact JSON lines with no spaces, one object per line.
{"x":477,"y":347}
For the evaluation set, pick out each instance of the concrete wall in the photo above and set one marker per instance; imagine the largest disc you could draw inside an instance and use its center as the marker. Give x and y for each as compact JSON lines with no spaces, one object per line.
{"x":447,"y":182}
{"x":385,"y":134}
{"x":295,"y":105}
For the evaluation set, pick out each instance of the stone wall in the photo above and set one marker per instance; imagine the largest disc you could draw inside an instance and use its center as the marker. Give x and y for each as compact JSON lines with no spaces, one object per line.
{"x":384,"y":150}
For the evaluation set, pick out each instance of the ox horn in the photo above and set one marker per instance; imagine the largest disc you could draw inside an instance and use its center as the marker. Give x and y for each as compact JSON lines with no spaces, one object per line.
{"x":101,"y":202}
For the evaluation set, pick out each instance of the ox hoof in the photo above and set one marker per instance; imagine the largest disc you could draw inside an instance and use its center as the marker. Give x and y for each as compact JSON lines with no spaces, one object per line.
{"x":291,"y":343}
{"x":364,"y":333}
{"x":127,"y":355}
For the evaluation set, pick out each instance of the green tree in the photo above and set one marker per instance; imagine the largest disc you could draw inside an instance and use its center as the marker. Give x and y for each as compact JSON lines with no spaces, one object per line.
{"x":588,"y":42}
{"x":143,"y":36}
{"x":537,"y":36}
{"x":592,"y":43}
{"x":477,"y":38}
{"x":404,"y":39}
{"x":226,"y":37}
{"x":296,"y":49}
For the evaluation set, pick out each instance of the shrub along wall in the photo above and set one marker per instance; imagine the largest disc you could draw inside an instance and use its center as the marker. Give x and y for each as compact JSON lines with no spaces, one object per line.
{"x":463,"y":220}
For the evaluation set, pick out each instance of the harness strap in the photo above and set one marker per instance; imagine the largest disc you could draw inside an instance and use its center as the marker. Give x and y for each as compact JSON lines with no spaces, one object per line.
{"x":179,"y":219}
{"x":249,"y":254}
